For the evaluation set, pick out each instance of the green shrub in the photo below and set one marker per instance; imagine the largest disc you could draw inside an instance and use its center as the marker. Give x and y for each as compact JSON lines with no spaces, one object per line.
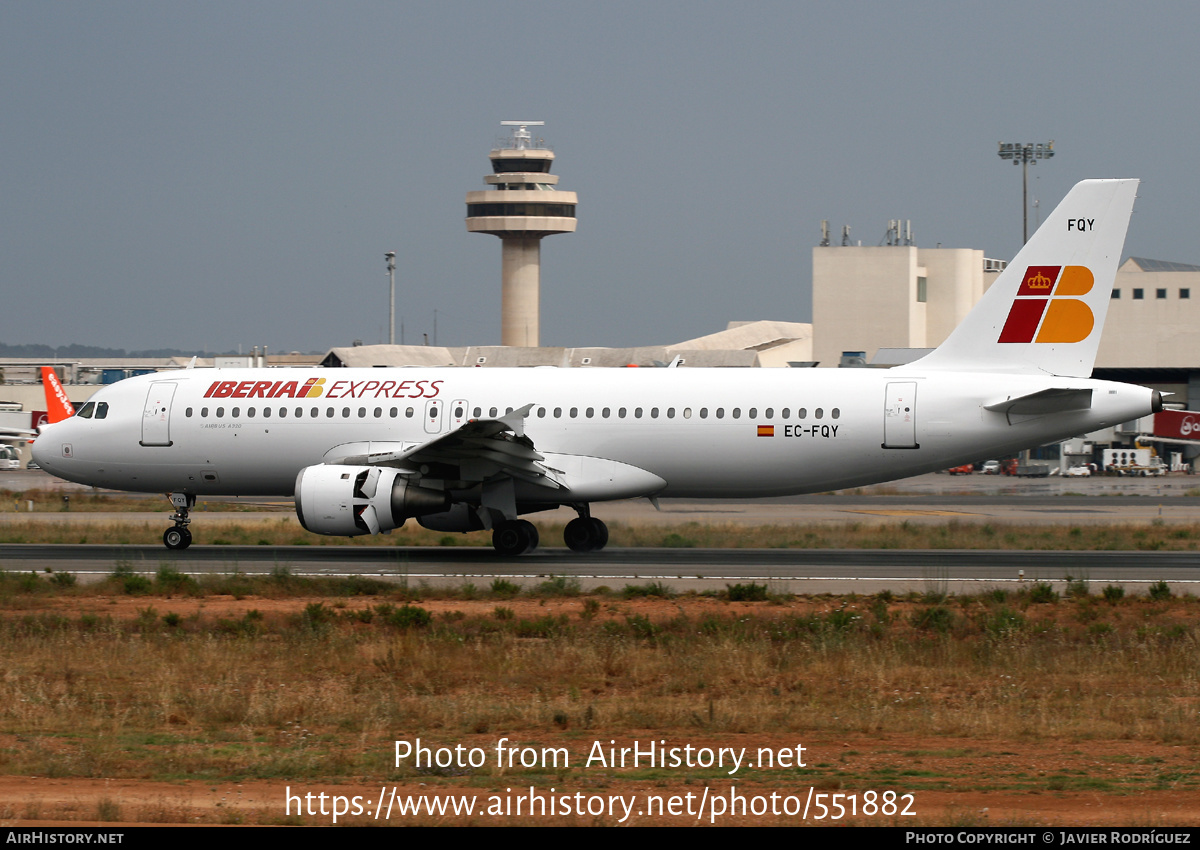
{"x":1043,"y":592}
{"x":505,"y":589}
{"x":409,"y":617}
{"x":935,"y":618}
{"x":657,"y":588}
{"x":1159,"y":591}
{"x":751,"y":592}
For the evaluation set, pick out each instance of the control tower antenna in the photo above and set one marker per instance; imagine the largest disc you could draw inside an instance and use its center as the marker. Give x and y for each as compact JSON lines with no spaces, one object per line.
{"x":530,"y":208}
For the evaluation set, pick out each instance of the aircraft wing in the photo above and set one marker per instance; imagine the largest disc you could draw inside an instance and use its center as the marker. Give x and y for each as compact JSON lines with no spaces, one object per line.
{"x":480,"y":450}
{"x":17,"y":435}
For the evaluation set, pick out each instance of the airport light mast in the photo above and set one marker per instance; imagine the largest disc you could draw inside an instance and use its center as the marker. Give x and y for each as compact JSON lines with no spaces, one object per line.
{"x":1026,"y":154}
{"x":390,"y":256}
{"x":521,"y":207}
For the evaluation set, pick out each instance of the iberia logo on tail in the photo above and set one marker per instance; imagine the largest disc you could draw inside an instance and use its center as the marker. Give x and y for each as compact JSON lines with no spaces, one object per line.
{"x":1045,"y":309}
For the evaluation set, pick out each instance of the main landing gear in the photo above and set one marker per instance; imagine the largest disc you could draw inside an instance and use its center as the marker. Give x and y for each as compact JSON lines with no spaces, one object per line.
{"x":585,"y":533}
{"x":178,"y":536}
{"x":515,"y":537}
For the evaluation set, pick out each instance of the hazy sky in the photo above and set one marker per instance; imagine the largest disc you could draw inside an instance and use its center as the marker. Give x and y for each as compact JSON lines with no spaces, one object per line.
{"x":214,"y":174}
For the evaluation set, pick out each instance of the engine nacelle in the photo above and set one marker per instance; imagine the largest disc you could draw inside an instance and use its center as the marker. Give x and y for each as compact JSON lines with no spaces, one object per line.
{"x":351,"y":500}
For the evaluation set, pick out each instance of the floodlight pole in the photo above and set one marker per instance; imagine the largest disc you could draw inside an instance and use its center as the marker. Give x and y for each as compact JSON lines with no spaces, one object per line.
{"x":391,"y":267}
{"x":1026,"y":154}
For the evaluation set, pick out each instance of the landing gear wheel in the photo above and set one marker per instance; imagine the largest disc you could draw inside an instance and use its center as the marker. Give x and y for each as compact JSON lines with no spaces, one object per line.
{"x":599,"y":534}
{"x":585,"y":534}
{"x":515,"y":537}
{"x":177,"y":537}
{"x":578,"y":535}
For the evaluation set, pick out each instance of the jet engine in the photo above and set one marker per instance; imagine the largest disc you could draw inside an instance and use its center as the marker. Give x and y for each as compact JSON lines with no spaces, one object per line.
{"x":351,"y":500}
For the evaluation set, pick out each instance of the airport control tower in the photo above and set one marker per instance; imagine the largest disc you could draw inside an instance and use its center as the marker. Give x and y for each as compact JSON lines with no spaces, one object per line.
{"x":521,"y":206}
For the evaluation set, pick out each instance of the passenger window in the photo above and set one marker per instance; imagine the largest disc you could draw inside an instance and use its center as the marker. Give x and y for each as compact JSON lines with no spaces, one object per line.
{"x":836,"y":414}
{"x":346,"y":412}
{"x":558,"y":413}
{"x":704,"y":413}
{"x":638,"y":413}
{"x":234,"y":413}
{"x":574,"y":412}
{"x":408,"y":412}
{"x":818,"y":413}
{"x":753,"y":413}
{"x":802,"y":413}
{"x":204,"y":412}
{"x":299,"y":412}
{"x":590,"y":412}
{"x":329,"y":412}
{"x":737,"y":413}
{"x":478,"y":412}
{"x":605,"y":413}
{"x":362,"y":413}
{"x":620,"y":413}
{"x":378,"y":412}
{"x":784,"y":413}
{"x":492,"y":412}
{"x":720,"y":413}
{"x":770,"y":411}
{"x":654,"y":413}
{"x":220,"y":413}
{"x":541,"y":413}
{"x":315,"y":412}
{"x":282,"y":412}
{"x":250,"y":412}
{"x":394,"y":412}
{"x":266,"y":413}
{"x":687,"y":413}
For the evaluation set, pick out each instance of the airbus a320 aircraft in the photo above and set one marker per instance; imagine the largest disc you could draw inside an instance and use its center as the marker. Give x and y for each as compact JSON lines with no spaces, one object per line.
{"x":363,"y":450}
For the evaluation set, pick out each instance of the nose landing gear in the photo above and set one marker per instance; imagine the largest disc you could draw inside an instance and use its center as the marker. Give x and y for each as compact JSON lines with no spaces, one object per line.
{"x":585,"y":533}
{"x":178,"y":536}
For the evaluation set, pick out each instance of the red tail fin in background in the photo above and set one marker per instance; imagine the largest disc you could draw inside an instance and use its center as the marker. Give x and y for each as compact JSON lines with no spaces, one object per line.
{"x":58,"y":407}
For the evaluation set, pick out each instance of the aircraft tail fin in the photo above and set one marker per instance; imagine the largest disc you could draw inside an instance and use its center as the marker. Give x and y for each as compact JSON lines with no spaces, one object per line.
{"x":1045,"y":312}
{"x":58,"y":407}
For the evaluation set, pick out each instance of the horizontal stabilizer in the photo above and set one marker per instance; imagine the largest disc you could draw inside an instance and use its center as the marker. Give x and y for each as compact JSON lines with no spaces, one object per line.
{"x":1044,"y":402}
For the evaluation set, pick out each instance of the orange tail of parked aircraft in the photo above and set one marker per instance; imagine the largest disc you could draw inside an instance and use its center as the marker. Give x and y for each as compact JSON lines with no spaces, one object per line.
{"x":58,"y":407}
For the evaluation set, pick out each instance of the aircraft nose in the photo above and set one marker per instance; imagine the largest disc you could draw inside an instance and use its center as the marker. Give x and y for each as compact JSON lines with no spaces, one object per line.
{"x":40,"y":449}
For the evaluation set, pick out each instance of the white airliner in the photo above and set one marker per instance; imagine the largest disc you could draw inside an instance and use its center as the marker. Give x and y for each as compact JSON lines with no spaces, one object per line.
{"x":363,"y":450}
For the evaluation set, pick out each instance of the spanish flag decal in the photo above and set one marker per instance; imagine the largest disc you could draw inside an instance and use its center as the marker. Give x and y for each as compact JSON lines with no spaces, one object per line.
{"x":766,"y":430}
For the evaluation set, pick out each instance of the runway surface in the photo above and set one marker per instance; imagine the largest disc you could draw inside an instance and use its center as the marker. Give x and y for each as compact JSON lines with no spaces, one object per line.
{"x":784,"y":570}
{"x":928,"y":499}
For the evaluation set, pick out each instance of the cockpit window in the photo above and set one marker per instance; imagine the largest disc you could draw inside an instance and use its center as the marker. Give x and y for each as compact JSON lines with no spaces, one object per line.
{"x":85,"y":412}
{"x":101,"y":409}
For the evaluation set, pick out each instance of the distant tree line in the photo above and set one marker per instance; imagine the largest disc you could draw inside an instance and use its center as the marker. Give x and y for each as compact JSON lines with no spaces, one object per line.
{"x":76,"y":350}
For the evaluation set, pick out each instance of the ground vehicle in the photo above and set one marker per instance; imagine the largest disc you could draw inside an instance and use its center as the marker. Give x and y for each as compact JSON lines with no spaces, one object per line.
{"x":965,"y":469}
{"x":991,"y":467}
